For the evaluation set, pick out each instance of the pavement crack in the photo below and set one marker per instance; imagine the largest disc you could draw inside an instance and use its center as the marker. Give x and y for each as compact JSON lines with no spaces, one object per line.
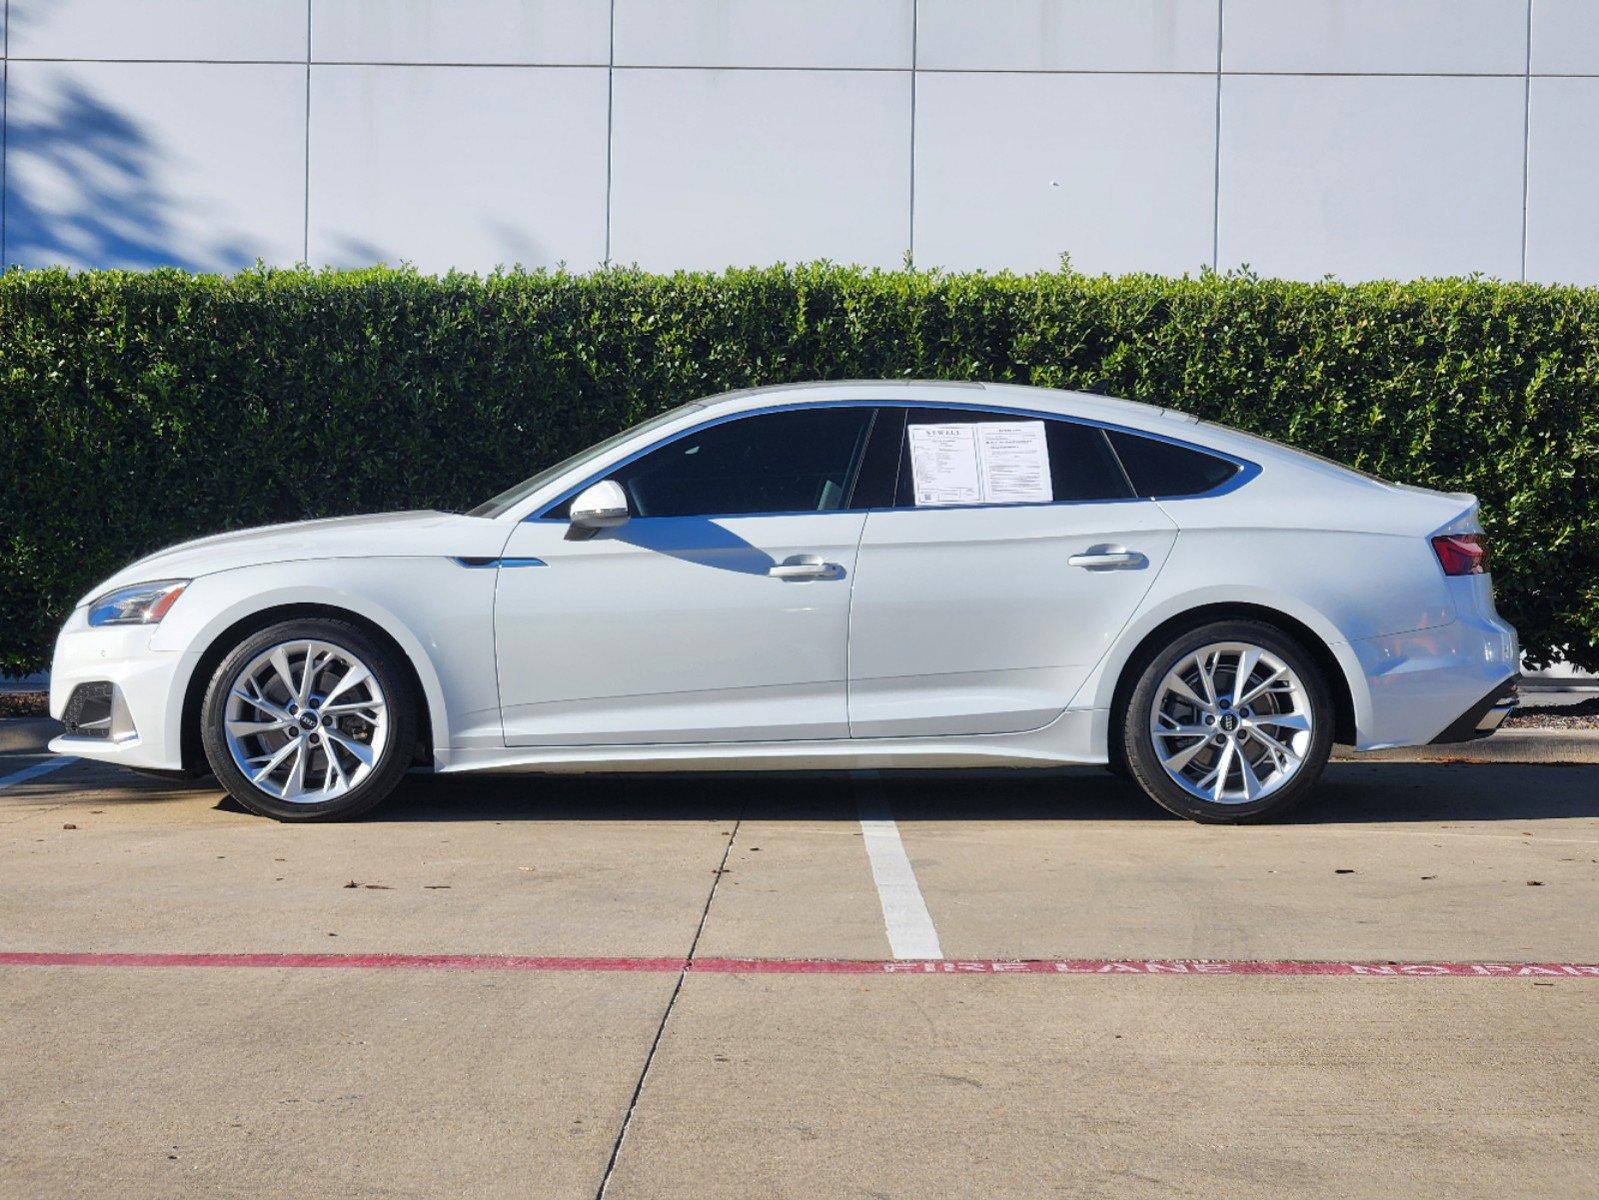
{"x":671,"y":1003}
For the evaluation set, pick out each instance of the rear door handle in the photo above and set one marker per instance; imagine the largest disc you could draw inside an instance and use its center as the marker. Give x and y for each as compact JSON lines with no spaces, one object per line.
{"x":1109,"y":558}
{"x":805,"y":566}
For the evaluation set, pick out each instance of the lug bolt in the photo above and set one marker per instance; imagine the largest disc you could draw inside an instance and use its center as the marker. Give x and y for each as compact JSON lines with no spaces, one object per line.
{"x":1226,"y":703}
{"x":292,"y":709}
{"x":327,"y":720}
{"x":294,"y":731}
{"x":1210,"y":720}
{"x":1218,"y":740}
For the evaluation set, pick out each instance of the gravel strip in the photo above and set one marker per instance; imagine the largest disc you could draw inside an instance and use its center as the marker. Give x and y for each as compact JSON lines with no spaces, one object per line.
{"x":1582,"y":715}
{"x":24,"y":704}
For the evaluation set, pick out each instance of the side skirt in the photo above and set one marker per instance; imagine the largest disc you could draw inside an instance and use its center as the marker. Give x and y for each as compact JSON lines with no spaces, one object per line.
{"x":1077,"y":737}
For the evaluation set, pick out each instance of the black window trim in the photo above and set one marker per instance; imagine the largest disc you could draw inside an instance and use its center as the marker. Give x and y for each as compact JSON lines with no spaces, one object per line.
{"x":881,"y":430}
{"x":1247,"y":470}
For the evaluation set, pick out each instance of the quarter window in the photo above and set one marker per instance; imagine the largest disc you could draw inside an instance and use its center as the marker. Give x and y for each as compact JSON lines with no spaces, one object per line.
{"x":804,"y":460}
{"x":1159,"y":468}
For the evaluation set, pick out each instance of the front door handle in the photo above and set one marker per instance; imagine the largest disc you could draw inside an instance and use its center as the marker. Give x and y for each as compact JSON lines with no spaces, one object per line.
{"x":805,"y":566}
{"x":1109,"y":558}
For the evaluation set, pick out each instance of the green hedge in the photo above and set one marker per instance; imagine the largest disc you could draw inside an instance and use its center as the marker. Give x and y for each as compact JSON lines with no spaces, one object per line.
{"x":142,"y":409}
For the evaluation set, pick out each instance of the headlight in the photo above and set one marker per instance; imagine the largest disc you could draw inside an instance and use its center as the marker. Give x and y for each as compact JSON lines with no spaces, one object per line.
{"x":141,"y":604}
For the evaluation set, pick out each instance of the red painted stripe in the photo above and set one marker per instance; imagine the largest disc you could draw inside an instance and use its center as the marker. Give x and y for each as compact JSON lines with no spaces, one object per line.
{"x":345,"y":962}
{"x":801,"y":966}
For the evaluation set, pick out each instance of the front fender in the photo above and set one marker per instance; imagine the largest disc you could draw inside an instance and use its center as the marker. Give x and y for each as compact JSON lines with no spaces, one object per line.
{"x":438,"y":613}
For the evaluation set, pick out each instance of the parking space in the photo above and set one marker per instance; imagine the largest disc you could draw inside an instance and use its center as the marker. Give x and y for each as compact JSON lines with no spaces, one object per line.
{"x":498,"y":1002}
{"x":1403,"y":861}
{"x":1032,"y":1086}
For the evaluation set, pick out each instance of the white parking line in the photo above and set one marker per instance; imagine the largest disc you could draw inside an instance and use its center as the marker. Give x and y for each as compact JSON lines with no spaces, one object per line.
{"x":36,"y":770}
{"x":910,"y":925}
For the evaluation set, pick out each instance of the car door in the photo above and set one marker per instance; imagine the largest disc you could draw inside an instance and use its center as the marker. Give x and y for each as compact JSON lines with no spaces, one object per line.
{"x":717,"y":613}
{"x":999,"y":576}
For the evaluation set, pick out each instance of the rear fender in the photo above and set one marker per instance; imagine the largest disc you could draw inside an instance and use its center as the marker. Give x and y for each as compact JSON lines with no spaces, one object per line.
{"x":1099,"y":689}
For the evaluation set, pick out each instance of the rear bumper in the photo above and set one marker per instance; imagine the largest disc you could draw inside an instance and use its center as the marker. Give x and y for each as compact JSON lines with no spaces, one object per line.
{"x":1485,"y":716}
{"x":1420,"y":685}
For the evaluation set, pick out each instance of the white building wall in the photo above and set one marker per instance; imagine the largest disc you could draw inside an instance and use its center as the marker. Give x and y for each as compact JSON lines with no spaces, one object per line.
{"x":1360,"y":138}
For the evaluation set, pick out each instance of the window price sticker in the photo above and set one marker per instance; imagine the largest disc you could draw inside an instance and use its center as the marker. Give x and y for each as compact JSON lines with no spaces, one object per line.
{"x":999,"y":462}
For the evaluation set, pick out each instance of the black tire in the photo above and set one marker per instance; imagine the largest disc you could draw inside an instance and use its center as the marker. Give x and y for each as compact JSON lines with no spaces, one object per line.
{"x":1117,"y":763}
{"x":178,"y":778}
{"x":1138,"y":744}
{"x":388,"y":767}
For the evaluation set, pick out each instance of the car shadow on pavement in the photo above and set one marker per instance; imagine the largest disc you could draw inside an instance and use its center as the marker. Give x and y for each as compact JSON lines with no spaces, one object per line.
{"x":1350,"y":793}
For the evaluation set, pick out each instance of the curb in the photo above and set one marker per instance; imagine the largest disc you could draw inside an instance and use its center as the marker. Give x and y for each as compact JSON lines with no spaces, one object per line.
{"x":27,"y":735}
{"x":1549,"y":746}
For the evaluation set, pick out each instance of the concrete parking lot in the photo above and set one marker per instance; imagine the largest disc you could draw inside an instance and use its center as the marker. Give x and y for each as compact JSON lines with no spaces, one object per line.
{"x":660,"y":987}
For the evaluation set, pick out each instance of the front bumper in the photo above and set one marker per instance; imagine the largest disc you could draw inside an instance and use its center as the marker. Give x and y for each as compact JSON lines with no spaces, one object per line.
{"x":143,"y":725}
{"x":1485,"y":716}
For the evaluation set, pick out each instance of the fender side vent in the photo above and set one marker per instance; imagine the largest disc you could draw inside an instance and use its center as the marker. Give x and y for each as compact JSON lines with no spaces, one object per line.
{"x":465,"y":561}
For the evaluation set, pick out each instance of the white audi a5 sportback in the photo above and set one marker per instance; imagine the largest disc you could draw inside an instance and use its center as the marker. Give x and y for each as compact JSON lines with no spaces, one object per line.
{"x":831,"y":575}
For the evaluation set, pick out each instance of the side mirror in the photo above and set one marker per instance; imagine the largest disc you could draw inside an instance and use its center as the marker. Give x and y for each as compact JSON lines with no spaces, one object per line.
{"x":602,"y":505}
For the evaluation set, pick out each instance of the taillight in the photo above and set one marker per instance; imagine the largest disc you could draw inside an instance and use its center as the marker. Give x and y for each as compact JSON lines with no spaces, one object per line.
{"x":1461,"y":553}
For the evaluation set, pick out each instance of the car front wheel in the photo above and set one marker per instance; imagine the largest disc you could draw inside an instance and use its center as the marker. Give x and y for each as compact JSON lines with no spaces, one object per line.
{"x":309,"y":720}
{"x":1229,"y":723}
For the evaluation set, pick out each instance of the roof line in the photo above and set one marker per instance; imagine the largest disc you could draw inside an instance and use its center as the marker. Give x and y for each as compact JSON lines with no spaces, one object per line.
{"x":822,"y":385}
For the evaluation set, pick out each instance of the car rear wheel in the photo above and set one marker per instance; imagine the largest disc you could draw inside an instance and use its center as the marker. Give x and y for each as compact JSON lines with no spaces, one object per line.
{"x":309,"y":720}
{"x":1229,"y":723}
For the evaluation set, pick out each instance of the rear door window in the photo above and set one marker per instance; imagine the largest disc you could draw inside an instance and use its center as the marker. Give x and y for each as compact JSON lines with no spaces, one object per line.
{"x":943,"y":461}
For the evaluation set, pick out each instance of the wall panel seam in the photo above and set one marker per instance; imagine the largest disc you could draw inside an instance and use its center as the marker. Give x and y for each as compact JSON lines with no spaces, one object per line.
{"x":610,"y":129}
{"x":305,"y":205}
{"x":5,"y":134}
{"x":1526,"y":142}
{"x":910,"y":244}
{"x":1215,"y":179}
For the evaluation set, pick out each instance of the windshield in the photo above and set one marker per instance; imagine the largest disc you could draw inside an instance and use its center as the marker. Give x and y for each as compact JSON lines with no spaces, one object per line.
{"x":515,"y":495}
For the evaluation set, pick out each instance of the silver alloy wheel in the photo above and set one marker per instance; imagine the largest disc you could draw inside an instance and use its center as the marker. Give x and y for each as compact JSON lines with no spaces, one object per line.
{"x":305,"y":721}
{"x":1231,"y":723}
